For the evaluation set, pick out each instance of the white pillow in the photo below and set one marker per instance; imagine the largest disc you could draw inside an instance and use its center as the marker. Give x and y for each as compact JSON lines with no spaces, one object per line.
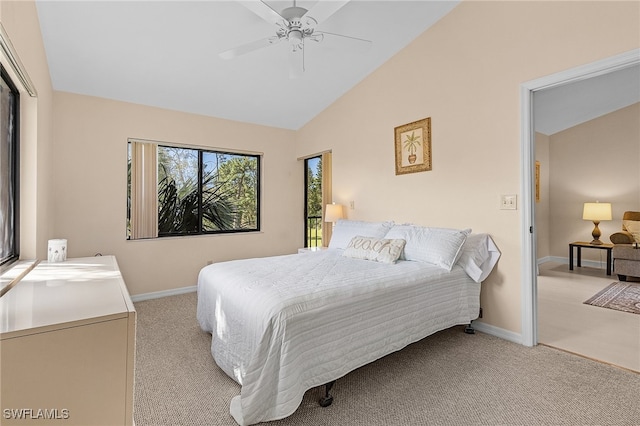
{"x":345,"y":230}
{"x":633,"y":226}
{"x":370,"y":248}
{"x":479,"y":256}
{"x":438,"y":246}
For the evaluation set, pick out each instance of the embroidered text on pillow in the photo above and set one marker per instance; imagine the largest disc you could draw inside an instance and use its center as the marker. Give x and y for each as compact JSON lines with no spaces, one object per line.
{"x":371,"y":248}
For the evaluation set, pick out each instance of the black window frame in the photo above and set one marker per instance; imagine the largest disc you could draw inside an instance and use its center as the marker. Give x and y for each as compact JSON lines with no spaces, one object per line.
{"x":316,"y":219}
{"x":200,"y":230}
{"x":14,"y":171}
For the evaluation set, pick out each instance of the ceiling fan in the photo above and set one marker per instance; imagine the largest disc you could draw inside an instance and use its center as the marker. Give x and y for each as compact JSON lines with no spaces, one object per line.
{"x":295,"y":25}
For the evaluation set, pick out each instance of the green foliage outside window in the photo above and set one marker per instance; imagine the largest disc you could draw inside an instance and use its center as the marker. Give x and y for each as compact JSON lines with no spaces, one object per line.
{"x":202,"y":192}
{"x":205,"y":191}
{"x":314,"y":201}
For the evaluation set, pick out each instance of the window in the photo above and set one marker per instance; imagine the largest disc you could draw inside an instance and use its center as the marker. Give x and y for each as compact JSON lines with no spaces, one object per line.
{"x":313,"y":201}
{"x":9,"y":110}
{"x":177,"y":191}
{"x":317,"y":194}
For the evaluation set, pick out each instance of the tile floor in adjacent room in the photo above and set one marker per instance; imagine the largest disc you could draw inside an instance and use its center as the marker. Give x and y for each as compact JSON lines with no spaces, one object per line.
{"x":566,"y":323}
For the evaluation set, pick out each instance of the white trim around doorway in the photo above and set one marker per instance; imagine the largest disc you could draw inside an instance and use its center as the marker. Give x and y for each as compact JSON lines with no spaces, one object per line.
{"x":529,"y":333}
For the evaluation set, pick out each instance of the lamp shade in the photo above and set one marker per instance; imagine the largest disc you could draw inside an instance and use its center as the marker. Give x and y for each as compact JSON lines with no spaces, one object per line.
{"x":596,"y":211}
{"x":333,"y":212}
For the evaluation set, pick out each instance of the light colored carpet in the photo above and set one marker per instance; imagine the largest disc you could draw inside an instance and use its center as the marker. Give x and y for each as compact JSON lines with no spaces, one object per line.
{"x":450,"y":378}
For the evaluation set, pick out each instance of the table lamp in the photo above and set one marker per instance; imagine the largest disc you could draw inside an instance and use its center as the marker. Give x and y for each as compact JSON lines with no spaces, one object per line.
{"x":596,"y":212}
{"x":333,"y":212}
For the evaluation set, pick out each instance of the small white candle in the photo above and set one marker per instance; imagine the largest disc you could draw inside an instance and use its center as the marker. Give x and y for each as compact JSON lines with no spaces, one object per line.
{"x":57,"y":250}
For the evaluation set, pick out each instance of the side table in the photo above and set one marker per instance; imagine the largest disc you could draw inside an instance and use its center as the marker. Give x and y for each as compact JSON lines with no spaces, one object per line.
{"x":579,"y":245}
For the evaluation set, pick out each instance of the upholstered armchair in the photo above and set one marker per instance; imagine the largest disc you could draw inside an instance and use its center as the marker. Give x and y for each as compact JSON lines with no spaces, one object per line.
{"x":625,"y":236}
{"x":626,"y":255}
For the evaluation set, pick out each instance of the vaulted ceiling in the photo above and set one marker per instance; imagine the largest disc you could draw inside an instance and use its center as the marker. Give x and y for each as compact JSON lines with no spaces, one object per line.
{"x":566,"y":106}
{"x":166,"y":54}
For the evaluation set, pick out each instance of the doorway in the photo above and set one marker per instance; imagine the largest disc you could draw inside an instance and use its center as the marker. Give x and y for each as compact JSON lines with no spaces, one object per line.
{"x":529,"y":302}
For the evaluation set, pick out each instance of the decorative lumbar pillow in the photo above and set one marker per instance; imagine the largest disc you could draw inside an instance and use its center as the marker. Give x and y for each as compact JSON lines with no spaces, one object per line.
{"x":345,"y":230}
{"x":371,"y":248}
{"x":439,"y":246}
{"x":632,"y":226}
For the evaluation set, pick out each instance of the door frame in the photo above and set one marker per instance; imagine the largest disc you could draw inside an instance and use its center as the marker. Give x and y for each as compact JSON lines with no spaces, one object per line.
{"x":529,"y":287}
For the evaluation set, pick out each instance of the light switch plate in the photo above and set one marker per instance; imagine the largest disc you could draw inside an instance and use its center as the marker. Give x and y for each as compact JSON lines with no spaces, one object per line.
{"x":508,"y":202}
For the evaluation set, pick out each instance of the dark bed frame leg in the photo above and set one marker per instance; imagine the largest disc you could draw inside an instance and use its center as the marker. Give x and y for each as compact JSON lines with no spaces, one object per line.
{"x":327,"y":399}
{"x":469,"y":329}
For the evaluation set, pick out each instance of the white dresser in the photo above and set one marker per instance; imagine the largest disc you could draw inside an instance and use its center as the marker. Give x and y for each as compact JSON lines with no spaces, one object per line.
{"x":67,"y":346}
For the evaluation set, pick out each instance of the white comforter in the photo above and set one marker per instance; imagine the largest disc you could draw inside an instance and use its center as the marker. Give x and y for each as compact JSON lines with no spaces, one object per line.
{"x":282,"y":325}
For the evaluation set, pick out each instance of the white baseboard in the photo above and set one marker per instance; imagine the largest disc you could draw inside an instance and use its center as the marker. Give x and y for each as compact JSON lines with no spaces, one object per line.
{"x":546,"y":259}
{"x":565,"y":260}
{"x":498,"y":332}
{"x":163,"y":293}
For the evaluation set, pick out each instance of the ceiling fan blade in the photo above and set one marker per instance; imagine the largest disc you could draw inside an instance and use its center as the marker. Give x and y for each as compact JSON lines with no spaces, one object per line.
{"x":249,"y":47}
{"x":263,"y":10}
{"x":340,"y":41}
{"x":296,"y":63}
{"x":324,"y":9}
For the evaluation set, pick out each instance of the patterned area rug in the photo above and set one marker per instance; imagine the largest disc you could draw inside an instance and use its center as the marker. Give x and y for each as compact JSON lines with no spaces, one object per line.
{"x":621,"y":296}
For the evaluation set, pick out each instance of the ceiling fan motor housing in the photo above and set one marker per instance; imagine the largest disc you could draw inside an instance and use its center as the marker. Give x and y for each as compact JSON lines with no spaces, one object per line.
{"x":295,"y":28}
{"x":293,"y":13}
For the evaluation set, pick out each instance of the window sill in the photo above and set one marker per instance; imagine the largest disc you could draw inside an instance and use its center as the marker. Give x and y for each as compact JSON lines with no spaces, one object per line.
{"x":14,"y":273}
{"x":174,"y":237}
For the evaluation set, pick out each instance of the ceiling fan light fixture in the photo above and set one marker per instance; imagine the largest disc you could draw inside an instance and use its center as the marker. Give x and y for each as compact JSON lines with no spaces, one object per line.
{"x":295,"y":39}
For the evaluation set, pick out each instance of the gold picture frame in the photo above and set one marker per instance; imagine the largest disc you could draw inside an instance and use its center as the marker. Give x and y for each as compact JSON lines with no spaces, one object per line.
{"x":413,"y":147}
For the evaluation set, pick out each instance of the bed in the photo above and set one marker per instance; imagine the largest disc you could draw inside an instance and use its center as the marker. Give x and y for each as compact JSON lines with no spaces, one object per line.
{"x":282,"y":325}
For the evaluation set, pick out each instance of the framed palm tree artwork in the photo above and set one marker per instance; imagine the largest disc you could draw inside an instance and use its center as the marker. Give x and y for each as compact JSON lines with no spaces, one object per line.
{"x":413,"y":147}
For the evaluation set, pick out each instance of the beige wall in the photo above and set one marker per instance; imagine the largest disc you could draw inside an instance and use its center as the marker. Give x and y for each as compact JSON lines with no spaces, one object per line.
{"x":542,"y":206}
{"x":465,"y":73}
{"x":595,"y":161}
{"x":90,"y":175}
{"x":20,"y":20}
